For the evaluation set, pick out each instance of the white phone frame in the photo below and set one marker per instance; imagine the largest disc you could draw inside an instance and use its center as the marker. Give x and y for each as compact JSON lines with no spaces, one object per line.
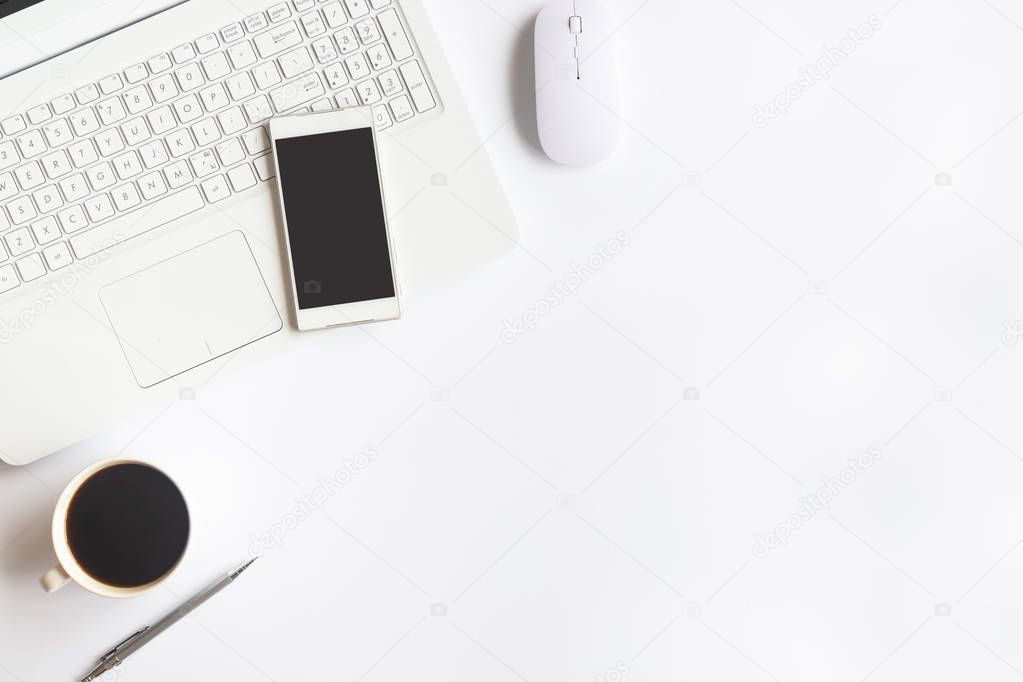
{"x":347,"y":313}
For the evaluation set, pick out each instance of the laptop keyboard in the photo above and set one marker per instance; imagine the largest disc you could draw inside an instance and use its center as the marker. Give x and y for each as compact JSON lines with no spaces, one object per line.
{"x":184,"y":129}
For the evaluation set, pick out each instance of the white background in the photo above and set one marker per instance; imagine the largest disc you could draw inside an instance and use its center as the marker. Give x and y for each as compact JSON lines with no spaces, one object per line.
{"x":792,"y":296}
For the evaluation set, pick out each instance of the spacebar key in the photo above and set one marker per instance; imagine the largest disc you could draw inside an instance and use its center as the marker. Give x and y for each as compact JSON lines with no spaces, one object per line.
{"x":130,"y":225}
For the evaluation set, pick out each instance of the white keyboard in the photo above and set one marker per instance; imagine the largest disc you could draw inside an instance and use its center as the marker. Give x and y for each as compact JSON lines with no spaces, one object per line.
{"x":183,"y":129}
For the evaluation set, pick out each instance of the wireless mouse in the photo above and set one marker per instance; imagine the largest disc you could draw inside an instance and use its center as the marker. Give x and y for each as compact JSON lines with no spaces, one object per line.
{"x":578,"y":88}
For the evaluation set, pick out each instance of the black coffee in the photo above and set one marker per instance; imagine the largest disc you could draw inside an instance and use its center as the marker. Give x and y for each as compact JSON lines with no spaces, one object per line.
{"x":127,"y":525}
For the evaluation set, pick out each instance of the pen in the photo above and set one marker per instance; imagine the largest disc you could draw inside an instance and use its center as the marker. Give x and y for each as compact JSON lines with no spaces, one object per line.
{"x":137,"y":640}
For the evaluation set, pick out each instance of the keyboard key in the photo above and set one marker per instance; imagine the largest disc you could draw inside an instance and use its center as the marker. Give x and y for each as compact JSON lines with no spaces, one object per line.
{"x":242,"y":178}
{"x":334,"y":15}
{"x":256,"y":23}
{"x":39,"y":114}
{"x":136,"y":74}
{"x":7,"y":187}
{"x":83,"y":153}
{"x":183,"y":53}
{"x":19,"y":242}
{"x":367,"y":30}
{"x":63,"y":104}
{"x":137,"y":99}
{"x":161,"y":120}
{"x":216,"y":66}
{"x":206,"y":132}
{"x":232,"y":121}
{"x":357,"y":66}
{"x":46,"y":230}
{"x":216,"y":189}
{"x":74,"y":187}
{"x":101,"y":176}
{"x":258,"y":109}
{"x":8,"y":155}
{"x":58,"y":132}
{"x":109,"y":142}
{"x":126,"y":197}
{"x":296,"y":62}
{"x":58,"y":256}
{"x":111,"y":111}
{"x":232,"y":33}
{"x":178,"y":174}
{"x":160,"y":63}
{"x":32,"y":144}
{"x":56,"y":164}
{"x":111,"y":84}
{"x":368,"y":92}
{"x":154,"y":154}
{"x":214,"y":98}
{"x":347,"y":98}
{"x":85,"y":122}
{"x":279,"y":12}
{"x":8,"y":279}
{"x":99,"y":208}
{"x":230,"y":152}
{"x":190,"y":77}
{"x":390,"y":83}
{"x":378,"y":56}
{"x":207,"y":43}
{"x":278,"y":40}
{"x":266,"y":75}
{"x":152,"y":185}
{"x":139,"y":222}
{"x":48,"y":199}
{"x":135,"y":131}
{"x":256,"y":141}
{"x":14,"y":124}
{"x":313,"y":24}
{"x":240,"y":86}
{"x":87,"y":93}
{"x":336,"y":76}
{"x":180,"y":143}
{"x":306,"y":89}
{"x":402,"y":109}
{"x":5,"y":224}
{"x":164,"y":88}
{"x":377,"y":4}
{"x":127,"y":165}
{"x":3,"y":253}
{"x":395,"y":34}
{"x":72,"y":219}
{"x":417,"y":86}
{"x":324,"y":50}
{"x":31,"y":267}
{"x":22,"y":210}
{"x":357,"y":8}
{"x":304,"y":5}
{"x":204,"y":163}
{"x":381,"y":117}
{"x":30,"y":175}
{"x":188,"y":109}
{"x":242,"y":55}
{"x":346,"y":41}
{"x":322,"y":105}
{"x":265,"y":167}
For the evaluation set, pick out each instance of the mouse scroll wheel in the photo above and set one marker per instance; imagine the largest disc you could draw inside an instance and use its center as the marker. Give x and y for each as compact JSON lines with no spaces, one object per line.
{"x":575,"y":25}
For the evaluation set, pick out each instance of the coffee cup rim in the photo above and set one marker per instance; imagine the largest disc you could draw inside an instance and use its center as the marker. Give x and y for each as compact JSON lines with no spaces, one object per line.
{"x":62,"y":547}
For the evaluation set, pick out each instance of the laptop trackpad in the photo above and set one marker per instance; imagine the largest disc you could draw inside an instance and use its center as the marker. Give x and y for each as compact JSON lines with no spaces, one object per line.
{"x":190,"y":309}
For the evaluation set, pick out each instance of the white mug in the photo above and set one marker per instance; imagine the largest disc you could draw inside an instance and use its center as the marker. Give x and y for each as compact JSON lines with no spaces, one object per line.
{"x":67,"y":568}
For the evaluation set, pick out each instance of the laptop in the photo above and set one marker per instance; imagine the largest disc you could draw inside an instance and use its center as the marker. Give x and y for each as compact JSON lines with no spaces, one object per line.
{"x":140,"y":252}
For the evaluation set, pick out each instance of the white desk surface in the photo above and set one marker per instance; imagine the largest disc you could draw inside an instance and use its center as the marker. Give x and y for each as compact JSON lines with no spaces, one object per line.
{"x":685,"y":398}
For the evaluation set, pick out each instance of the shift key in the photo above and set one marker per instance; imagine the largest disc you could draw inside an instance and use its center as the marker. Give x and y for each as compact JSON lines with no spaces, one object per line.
{"x":296,"y":93}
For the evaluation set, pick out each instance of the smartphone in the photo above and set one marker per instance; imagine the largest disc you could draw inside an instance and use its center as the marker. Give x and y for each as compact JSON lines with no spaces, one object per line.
{"x":335,"y":222}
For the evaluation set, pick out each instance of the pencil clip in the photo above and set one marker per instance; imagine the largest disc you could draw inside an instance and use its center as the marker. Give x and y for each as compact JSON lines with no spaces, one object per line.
{"x":117,"y":647}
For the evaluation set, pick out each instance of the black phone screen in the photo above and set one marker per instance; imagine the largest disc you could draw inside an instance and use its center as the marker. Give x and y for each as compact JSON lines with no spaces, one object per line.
{"x":335,"y":215}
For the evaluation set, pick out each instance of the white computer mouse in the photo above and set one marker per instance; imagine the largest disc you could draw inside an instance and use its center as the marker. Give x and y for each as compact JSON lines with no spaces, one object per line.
{"x":578,"y":87}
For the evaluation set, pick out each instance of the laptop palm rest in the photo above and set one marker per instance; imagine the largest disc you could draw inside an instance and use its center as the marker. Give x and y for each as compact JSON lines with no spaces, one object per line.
{"x":190,"y":309}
